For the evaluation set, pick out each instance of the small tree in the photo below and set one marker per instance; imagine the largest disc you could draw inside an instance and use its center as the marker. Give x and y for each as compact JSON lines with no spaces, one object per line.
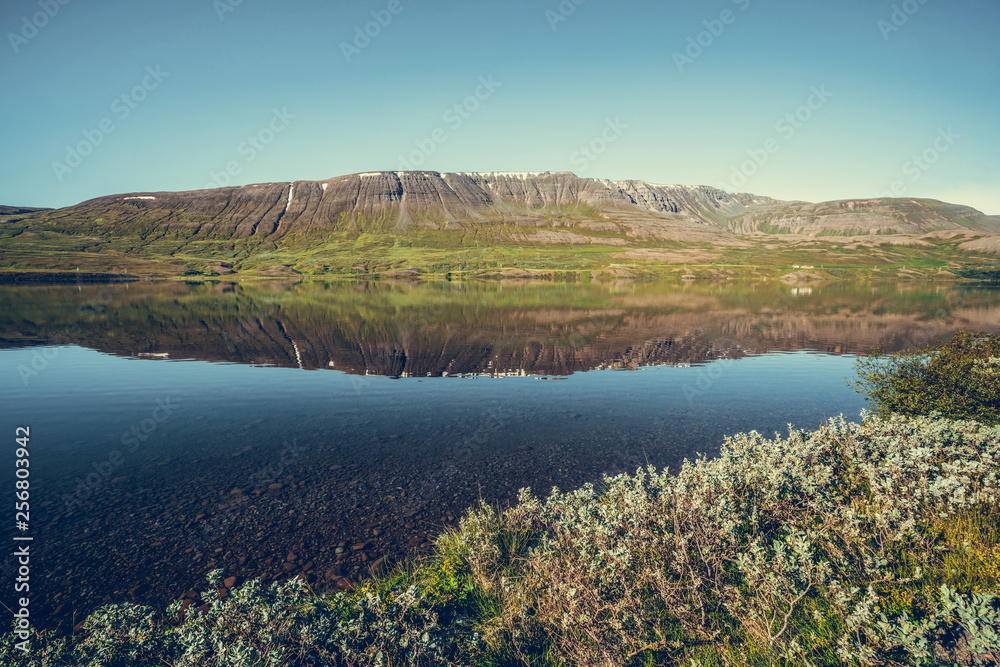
{"x":958,"y":378}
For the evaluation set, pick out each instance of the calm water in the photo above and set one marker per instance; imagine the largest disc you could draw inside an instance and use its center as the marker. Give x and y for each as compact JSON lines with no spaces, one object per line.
{"x":176,"y":428}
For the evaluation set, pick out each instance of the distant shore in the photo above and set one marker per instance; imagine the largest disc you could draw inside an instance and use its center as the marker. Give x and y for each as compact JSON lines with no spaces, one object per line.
{"x":63,"y":277}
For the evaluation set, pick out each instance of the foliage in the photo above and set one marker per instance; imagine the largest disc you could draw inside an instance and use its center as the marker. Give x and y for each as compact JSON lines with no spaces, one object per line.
{"x":958,"y":378}
{"x":870,"y":544}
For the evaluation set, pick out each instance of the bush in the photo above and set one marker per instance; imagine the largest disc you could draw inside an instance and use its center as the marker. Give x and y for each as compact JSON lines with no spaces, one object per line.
{"x":871,"y":544}
{"x":958,"y":378}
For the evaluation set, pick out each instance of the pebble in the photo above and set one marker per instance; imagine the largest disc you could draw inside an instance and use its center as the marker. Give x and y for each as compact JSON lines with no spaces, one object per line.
{"x":275,"y":486}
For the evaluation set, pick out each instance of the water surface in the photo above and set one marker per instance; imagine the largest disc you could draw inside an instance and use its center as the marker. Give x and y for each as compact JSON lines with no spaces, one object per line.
{"x":179,"y":428}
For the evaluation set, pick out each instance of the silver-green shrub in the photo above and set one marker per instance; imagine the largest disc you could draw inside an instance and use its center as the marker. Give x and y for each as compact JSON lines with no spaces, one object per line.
{"x":855,"y":544}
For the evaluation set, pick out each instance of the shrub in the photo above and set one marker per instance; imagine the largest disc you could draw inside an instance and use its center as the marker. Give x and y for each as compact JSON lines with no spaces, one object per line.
{"x":958,"y":378}
{"x":869,"y":544}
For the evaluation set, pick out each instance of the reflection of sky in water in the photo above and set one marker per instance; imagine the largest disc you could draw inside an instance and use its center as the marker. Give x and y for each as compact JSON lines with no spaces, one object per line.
{"x":83,"y":403}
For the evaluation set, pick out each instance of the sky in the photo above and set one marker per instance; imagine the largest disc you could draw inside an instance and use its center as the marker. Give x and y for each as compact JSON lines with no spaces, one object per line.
{"x":795,"y":99}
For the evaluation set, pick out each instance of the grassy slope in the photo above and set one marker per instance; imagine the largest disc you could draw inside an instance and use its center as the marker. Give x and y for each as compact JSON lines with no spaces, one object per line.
{"x":54,"y":241}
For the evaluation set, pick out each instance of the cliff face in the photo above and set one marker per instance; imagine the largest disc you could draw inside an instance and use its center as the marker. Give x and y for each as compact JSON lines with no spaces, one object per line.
{"x":859,"y":217}
{"x":400,"y":199}
{"x":395,"y":200}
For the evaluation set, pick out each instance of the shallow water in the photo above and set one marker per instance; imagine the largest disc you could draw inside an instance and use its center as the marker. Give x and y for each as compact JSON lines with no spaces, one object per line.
{"x":164,"y":417}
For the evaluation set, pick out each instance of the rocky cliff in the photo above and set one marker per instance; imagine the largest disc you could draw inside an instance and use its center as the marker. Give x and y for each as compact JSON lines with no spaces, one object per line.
{"x":598,"y":211}
{"x":401,"y":199}
{"x":861,"y":217}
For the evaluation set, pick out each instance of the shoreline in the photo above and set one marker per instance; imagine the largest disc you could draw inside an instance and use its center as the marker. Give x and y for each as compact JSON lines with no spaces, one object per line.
{"x":461,"y":581}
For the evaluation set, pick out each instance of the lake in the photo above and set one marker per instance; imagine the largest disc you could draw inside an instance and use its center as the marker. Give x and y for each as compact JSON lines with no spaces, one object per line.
{"x":321,"y":430}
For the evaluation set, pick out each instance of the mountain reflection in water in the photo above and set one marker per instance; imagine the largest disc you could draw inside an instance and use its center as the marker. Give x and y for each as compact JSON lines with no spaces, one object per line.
{"x":148,"y":473}
{"x":401,"y":330}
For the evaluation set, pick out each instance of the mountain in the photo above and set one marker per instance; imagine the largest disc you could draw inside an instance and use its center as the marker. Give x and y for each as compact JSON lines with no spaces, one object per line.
{"x":504,"y":224}
{"x":860,"y":217}
{"x":424,"y":199}
{"x":18,"y":210}
{"x":455,"y":201}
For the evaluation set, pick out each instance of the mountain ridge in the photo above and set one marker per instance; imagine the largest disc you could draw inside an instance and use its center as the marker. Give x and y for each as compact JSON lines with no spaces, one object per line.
{"x":428,"y":199}
{"x":18,"y":210}
{"x":454,"y":200}
{"x":376,"y":223}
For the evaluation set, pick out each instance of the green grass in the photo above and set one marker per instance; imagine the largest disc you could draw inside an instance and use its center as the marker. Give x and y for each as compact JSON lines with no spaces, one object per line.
{"x":361,"y":246}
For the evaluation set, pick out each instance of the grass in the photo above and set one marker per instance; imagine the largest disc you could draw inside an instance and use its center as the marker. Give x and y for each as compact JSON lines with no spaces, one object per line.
{"x":358,"y":246}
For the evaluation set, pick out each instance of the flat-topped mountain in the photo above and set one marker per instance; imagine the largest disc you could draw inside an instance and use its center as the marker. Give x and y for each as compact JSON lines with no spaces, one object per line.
{"x":377,"y":223}
{"x":432,"y":200}
{"x":426,"y":199}
{"x":859,"y":217}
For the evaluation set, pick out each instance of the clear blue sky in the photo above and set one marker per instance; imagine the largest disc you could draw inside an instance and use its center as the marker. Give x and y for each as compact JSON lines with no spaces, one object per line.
{"x":929,"y":87}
